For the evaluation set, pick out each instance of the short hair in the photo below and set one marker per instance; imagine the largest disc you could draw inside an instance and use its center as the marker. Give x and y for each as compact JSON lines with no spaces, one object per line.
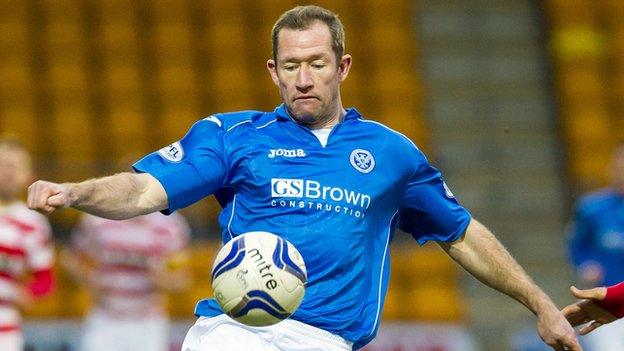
{"x":303,"y":17}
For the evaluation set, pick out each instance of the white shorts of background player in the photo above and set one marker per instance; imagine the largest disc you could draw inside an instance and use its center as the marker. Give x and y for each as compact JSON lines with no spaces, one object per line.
{"x":103,"y":332}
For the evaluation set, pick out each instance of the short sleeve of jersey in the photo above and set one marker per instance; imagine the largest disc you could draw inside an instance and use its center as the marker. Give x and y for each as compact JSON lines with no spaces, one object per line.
{"x":429,"y":211}
{"x":191,"y":168}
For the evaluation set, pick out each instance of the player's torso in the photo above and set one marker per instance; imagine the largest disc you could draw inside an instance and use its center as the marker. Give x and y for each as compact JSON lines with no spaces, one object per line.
{"x":607,"y":225}
{"x":12,"y":246}
{"x":326,"y":200}
{"x":124,"y":255}
{"x":18,"y":230}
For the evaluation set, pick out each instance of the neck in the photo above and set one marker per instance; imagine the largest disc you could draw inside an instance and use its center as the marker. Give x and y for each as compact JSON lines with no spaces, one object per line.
{"x":329,"y":121}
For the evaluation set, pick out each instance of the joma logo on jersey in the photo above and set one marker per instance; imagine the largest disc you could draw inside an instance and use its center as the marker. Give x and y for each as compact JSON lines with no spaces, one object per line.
{"x":313,"y":190}
{"x":286,"y":153}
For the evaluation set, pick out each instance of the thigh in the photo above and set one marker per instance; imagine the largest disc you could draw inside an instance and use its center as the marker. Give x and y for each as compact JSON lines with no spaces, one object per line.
{"x":296,"y":336}
{"x":221,"y":333}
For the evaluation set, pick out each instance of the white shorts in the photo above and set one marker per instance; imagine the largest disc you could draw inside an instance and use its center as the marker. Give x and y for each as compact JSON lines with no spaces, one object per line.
{"x":221,"y":333}
{"x":103,"y":332}
{"x":11,"y":341}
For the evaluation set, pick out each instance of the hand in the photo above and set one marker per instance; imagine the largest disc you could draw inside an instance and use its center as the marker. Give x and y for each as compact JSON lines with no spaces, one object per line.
{"x":45,"y":197}
{"x":556,"y":331}
{"x":586,"y":310}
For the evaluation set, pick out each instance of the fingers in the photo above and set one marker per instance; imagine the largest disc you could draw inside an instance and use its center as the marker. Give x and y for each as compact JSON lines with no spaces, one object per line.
{"x":589,"y":328}
{"x":45,"y":197}
{"x":569,"y":346}
{"x":575,"y":346}
{"x":570,"y":342}
{"x":57,"y":200}
{"x":571,"y":311}
{"x":592,"y":294}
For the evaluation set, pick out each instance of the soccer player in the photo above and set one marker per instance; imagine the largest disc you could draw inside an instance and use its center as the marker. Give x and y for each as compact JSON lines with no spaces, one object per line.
{"x":127,"y":266}
{"x":26,"y":254}
{"x":596,"y":246}
{"x":333,"y":183}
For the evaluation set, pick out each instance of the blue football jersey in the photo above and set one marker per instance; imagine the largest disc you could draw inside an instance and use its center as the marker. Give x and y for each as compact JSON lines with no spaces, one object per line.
{"x":597,"y":234}
{"x":338,"y":204}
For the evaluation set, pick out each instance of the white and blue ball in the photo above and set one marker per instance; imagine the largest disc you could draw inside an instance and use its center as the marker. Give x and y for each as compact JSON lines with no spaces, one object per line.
{"x":258,"y":278}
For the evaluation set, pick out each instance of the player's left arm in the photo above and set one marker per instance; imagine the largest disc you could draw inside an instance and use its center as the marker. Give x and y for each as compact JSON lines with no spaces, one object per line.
{"x":483,"y":256}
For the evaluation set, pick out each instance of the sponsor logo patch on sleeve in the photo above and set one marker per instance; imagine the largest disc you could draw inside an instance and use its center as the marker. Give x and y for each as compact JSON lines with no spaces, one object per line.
{"x":173,"y":152}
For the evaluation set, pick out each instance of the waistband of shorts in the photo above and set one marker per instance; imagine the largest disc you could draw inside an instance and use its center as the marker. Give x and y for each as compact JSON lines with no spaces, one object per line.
{"x":293,"y":326}
{"x":304,"y":328}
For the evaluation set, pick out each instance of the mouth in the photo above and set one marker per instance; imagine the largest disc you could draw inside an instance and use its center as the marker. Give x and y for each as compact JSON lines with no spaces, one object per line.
{"x":306,"y":98}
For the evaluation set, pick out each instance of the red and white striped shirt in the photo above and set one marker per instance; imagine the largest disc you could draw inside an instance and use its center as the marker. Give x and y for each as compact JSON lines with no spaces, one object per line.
{"x":25,"y":248}
{"x":124,"y":255}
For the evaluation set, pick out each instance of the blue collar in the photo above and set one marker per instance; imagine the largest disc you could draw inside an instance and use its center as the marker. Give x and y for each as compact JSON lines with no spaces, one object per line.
{"x":282,"y":113}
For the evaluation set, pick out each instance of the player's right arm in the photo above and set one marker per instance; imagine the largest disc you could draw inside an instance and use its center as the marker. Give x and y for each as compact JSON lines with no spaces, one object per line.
{"x":120,"y":196}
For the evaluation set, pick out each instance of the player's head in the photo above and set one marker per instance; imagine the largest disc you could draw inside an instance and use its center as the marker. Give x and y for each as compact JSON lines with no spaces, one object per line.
{"x":15,"y":168}
{"x":309,"y":63}
{"x":617,"y":167}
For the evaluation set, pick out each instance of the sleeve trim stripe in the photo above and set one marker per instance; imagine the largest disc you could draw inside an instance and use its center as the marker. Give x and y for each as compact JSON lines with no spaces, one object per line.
{"x":232,"y":217}
{"x":266,"y":124}
{"x":383,"y":262}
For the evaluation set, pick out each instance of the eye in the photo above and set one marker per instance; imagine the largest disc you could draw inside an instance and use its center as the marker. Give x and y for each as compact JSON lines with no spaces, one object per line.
{"x":290,"y":68}
{"x":318,"y":65}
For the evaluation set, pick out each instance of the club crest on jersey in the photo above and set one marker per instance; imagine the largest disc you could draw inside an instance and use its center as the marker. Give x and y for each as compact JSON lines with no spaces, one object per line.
{"x":173,"y":152}
{"x":362,"y":160}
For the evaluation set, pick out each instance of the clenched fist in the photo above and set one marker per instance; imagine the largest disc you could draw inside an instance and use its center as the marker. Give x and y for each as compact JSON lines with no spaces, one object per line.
{"x":45,"y":197}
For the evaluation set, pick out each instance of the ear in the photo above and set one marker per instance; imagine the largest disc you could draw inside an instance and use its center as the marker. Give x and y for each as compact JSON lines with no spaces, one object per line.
{"x":272,"y":67}
{"x":344,"y":66}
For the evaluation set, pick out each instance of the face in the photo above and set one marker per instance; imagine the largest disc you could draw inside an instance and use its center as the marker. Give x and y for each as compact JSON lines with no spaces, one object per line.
{"x":309,"y":76}
{"x":15,"y":171}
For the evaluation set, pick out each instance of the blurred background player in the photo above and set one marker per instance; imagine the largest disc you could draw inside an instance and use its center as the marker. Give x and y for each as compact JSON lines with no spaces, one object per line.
{"x":26,"y":254}
{"x":596,"y":244}
{"x":127,"y":267}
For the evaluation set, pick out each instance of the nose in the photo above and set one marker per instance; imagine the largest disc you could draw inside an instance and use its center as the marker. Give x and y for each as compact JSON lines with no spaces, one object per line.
{"x":304,"y":79}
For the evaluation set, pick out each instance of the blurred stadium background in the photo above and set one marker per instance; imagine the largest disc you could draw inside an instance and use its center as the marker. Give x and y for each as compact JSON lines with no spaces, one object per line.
{"x":518,"y":102}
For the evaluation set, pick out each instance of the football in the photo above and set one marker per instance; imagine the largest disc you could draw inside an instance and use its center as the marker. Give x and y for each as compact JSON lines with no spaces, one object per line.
{"x":259,"y":278}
